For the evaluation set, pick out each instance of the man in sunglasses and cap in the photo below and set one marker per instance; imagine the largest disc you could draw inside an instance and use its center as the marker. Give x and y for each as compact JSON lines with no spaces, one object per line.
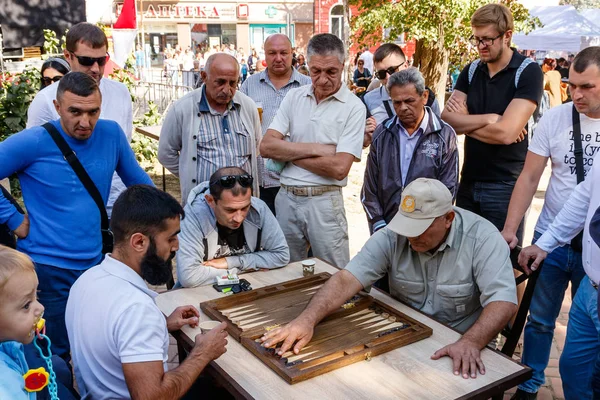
{"x":226,"y":228}
{"x":445,"y":261}
{"x":86,"y":51}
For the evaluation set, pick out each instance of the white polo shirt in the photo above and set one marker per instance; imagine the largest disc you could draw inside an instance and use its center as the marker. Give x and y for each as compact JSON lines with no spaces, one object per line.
{"x":112,"y":319}
{"x":338,"y":120}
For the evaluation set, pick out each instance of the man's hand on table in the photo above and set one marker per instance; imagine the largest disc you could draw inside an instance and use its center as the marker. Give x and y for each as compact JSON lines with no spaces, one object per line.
{"x":534,"y":253}
{"x":218,"y":263}
{"x":184,"y":315}
{"x":211,"y":345}
{"x":466,"y":358}
{"x":299,"y":331}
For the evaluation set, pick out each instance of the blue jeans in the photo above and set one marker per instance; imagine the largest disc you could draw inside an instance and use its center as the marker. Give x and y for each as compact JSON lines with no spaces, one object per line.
{"x":53,"y":292}
{"x":582,"y":344}
{"x":489,"y":200}
{"x":563,"y":265}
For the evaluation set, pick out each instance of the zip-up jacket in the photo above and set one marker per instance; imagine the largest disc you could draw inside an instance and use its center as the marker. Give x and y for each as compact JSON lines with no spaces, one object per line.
{"x":435,"y":156}
{"x":198,"y":241}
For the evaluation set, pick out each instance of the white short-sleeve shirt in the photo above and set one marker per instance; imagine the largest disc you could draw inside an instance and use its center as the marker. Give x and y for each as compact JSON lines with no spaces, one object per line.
{"x":112,"y":320}
{"x":553,"y":138}
{"x":338,"y":120}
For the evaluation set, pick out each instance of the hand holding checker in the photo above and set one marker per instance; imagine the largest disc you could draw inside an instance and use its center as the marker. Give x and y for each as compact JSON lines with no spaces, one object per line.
{"x":299,"y":331}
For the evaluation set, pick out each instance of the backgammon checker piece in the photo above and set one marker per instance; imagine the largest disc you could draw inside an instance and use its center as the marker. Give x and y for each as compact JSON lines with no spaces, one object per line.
{"x":361,"y":329}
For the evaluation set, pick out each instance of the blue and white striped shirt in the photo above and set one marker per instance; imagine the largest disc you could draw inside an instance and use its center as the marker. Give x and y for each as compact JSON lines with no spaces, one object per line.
{"x":260,"y":89}
{"x":222,"y":140}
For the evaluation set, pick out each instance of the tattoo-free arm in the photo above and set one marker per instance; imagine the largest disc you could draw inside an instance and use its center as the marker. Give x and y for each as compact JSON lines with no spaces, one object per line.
{"x":336,"y":167}
{"x":508,"y":128}
{"x":275,"y":147}
{"x":456,"y":115}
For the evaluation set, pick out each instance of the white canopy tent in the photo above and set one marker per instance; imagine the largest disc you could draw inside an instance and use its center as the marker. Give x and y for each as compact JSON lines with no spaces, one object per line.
{"x":564,"y":30}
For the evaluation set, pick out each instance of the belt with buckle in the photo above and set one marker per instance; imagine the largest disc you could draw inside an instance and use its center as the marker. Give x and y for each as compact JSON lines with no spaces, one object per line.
{"x":310,"y":190}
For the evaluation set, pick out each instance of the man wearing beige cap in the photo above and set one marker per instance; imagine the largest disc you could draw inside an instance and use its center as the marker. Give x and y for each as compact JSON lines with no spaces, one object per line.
{"x":445,"y":261}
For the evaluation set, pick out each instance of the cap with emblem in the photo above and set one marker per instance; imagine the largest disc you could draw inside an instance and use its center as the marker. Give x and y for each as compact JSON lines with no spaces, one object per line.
{"x":423,"y":200}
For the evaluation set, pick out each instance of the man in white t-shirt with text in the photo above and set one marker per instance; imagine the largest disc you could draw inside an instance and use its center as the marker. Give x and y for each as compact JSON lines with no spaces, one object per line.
{"x":86,"y":51}
{"x":554,"y":139}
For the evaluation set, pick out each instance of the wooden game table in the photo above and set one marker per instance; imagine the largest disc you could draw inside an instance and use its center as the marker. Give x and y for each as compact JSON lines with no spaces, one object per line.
{"x":403,"y":373}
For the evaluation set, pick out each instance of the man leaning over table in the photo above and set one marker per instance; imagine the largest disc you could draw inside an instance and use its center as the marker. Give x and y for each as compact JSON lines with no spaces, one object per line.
{"x":119,"y":336}
{"x":226,"y":228}
{"x":447,"y":262}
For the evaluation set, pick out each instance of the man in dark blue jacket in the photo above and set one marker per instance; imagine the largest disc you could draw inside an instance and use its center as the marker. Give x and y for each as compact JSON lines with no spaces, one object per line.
{"x":415,"y":143}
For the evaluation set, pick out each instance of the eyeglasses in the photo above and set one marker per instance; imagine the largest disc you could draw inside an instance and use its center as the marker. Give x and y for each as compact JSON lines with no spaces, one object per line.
{"x":228,"y":181}
{"x":48,"y":81}
{"x":485,"y":41}
{"x":89,"y":61}
{"x":381,"y":74}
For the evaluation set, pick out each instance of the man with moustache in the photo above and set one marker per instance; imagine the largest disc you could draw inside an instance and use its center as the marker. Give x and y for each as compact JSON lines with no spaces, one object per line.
{"x":212,"y":127}
{"x":120,"y":337}
{"x":269,"y":88}
{"x":61,"y":230}
{"x":86,"y":51}
{"x":318,"y":134}
{"x":493,"y":99}
{"x":444,"y":261}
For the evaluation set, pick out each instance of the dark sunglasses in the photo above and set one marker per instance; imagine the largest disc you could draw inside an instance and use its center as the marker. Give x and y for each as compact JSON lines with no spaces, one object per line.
{"x":228,"y":181}
{"x":48,"y":81}
{"x":381,"y":74}
{"x":89,"y":61}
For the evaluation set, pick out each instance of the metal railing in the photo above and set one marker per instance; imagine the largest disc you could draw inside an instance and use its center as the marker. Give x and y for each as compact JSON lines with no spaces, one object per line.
{"x":161,"y":94}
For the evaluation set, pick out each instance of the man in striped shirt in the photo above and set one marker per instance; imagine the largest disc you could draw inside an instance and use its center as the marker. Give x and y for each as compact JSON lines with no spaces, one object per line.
{"x":268,"y":88}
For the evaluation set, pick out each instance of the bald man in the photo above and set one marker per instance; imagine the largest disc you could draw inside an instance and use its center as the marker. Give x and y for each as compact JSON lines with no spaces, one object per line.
{"x":269,"y":88}
{"x":212,"y":127}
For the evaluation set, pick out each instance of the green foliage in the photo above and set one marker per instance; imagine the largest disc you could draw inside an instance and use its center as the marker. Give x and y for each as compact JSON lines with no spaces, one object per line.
{"x":16,"y":94}
{"x":435,"y":22}
{"x":126,"y":75}
{"x":581,"y":4}
{"x":146,"y":149}
{"x":51,"y":43}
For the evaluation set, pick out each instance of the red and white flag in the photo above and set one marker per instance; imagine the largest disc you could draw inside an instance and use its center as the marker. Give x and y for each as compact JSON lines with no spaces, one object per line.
{"x":124,"y":32}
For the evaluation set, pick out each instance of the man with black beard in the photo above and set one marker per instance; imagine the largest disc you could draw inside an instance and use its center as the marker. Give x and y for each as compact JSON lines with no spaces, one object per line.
{"x":119,"y":337}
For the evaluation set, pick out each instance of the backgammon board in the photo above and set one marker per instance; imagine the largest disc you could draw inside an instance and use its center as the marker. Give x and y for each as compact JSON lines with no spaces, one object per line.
{"x":362,"y":328}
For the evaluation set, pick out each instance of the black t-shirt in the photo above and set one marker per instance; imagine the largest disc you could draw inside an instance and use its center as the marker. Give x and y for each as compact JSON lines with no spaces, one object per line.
{"x":491,"y":162}
{"x":231,"y":242}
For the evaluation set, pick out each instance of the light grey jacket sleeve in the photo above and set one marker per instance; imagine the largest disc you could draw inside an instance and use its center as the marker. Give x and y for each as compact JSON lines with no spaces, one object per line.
{"x":170,"y":142}
{"x":190,"y":270}
{"x":274,"y":251}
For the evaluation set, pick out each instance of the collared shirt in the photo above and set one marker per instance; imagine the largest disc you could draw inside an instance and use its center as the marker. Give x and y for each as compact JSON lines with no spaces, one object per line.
{"x":260,"y":89}
{"x":408,"y":144}
{"x":469,"y":270}
{"x":376,"y":101}
{"x":112,"y":320}
{"x":338,"y":120}
{"x":222,"y":139}
{"x":576,"y":214}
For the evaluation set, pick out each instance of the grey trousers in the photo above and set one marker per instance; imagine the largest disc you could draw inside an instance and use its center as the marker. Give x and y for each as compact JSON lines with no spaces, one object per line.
{"x":318,"y":222}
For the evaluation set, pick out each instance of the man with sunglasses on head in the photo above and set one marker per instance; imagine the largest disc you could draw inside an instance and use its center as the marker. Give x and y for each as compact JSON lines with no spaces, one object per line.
{"x":86,"y":51}
{"x":226,"y":228}
{"x":493,"y":99}
{"x":388,"y":58}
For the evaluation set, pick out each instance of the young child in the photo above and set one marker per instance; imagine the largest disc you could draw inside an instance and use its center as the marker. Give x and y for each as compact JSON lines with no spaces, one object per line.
{"x":19,"y":313}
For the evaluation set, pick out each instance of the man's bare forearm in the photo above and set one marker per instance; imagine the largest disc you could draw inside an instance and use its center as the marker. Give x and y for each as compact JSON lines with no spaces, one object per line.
{"x":329,"y":167}
{"x":281,"y":150}
{"x":178,"y":382}
{"x":492,"y":320}
{"x":520,"y":200}
{"x":464,"y":124}
{"x":339,"y":288}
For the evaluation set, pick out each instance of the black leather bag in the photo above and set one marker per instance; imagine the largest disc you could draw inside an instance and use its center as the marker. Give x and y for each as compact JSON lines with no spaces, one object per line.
{"x":577,"y":241}
{"x":7,"y":237}
{"x":71,"y":158}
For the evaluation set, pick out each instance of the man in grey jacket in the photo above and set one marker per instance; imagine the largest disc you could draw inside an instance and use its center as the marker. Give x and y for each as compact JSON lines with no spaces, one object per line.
{"x":226,"y":228}
{"x":212,"y":127}
{"x":415,"y":143}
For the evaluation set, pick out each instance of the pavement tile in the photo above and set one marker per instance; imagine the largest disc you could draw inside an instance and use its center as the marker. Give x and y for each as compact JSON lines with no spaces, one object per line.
{"x":552,"y":372}
{"x":544,"y":394}
{"x":553,"y":362}
{"x":560,"y":333}
{"x":557,"y":388}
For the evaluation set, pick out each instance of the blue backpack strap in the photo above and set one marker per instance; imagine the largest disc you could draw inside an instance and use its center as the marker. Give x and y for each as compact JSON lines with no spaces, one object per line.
{"x":472,"y":69}
{"x":520,"y":70}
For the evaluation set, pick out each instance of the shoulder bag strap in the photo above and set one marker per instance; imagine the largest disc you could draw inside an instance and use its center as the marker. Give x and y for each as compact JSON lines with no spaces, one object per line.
{"x":578,"y":150}
{"x":83,"y":176}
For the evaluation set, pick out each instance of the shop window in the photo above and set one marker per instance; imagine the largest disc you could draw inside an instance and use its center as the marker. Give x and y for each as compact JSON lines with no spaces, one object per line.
{"x":336,"y":21}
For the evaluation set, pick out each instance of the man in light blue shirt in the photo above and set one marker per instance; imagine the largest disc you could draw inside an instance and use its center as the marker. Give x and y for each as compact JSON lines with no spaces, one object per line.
{"x":267,"y":89}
